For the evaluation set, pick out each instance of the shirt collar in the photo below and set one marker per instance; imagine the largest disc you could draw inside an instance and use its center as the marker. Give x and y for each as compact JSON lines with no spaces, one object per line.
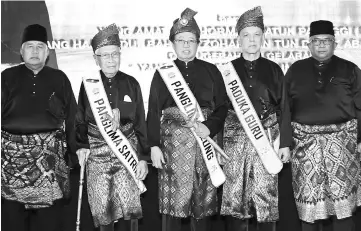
{"x":184,"y":64}
{"x":321,"y":65}
{"x":31,"y":72}
{"x":106,"y":79}
{"x":250,"y":64}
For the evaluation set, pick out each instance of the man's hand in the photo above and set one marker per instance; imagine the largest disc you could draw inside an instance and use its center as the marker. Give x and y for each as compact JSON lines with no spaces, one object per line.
{"x":157,"y":157}
{"x":221,"y":160}
{"x":142,"y":170}
{"x":192,"y":120}
{"x":359,"y":147}
{"x":202,"y":130}
{"x":115,"y":120}
{"x":284,"y":154}
{"x":83,"y":155}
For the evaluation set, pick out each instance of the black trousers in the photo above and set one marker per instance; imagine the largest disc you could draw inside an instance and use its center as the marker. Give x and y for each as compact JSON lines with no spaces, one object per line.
{"x":346,"y":224}
{"x":235,"y":224}
{"x":121,"y":225}
{"x":170,"y":223}
{"x":14,"y":216}
{"x":288,"y":215}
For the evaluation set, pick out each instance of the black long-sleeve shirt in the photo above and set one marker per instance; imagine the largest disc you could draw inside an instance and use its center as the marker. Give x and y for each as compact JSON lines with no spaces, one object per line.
{"x":264,"y":83}
{"x":34,"y":103}
{"x":123,"y":92}
{"x":206,"y":83}
{"x":324,"y":93}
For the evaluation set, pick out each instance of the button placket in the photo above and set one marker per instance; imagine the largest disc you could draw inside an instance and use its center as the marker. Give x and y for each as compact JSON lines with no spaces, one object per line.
{"x":110,"y":92}
{"x":34,"y":84}
{"x":110,"y":83}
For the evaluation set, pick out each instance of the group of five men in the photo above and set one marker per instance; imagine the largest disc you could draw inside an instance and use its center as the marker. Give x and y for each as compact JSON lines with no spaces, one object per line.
{"x":315,"y":110}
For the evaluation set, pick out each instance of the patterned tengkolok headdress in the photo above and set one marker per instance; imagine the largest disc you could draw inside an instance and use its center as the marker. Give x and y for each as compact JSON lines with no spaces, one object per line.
{"x":107,"y":36}
{"x":252,"y":17}
{"x":186,"y":23}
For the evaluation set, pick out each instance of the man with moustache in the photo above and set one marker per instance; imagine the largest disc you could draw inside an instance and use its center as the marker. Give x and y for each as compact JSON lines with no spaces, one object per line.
{"x":112,"y":192}
{"x":185,"y":189}
{"x":249,"y":190}
{"x":37,"y":138}
{"x":324,"y":93}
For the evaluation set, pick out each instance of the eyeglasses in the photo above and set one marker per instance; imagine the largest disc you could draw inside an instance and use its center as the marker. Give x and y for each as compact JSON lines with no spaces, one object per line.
{"x":326,"y":41}
{"x":114,"y":55}
{"x":183,"y":42}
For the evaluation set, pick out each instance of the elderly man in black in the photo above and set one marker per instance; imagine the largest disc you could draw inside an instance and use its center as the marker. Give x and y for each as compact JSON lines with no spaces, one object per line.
{"x":37,"y":127}
{"x":112,"y":192}
{"x":249,"y":190}
{"x":325,"y":101}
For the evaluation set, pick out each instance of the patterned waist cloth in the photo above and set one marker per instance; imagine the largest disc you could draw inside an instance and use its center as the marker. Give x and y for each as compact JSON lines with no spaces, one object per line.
{"x":326,"y":170}
{"x":33,"y":169}
{"x":126,"y":129}
{"x":185,"y":188}
{"x":173,"y":113}
{"x":232,"y":126}
{"x":249,"y":190}
{"x":112,"y":192}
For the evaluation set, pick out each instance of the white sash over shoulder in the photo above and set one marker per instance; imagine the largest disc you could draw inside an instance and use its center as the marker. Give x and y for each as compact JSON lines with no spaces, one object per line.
{"x":248,"y":117}
{"x":117,"y":142}
{"x":188,"y":105}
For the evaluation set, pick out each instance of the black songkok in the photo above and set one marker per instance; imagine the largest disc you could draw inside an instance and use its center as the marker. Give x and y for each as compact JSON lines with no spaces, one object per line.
{"x":321,"y":27}
{"x":252,"y":17}
{"x":186,"y":23}
{"x":35,"y":32}
{"x":107,"y":36}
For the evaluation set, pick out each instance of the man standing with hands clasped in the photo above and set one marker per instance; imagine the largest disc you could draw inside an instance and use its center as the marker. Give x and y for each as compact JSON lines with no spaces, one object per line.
{"x":185,"y":187}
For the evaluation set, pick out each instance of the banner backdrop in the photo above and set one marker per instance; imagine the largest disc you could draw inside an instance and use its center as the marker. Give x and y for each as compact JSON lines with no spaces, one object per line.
{"x":144,"y":29}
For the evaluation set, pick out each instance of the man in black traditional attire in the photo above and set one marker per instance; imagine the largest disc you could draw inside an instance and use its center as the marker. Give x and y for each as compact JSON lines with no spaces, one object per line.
{"x":112,"y":192}
{"x":324,"y":93}
{"x":249,"y":190}
{"x":185,"y":188}
{"x":37,"y":138}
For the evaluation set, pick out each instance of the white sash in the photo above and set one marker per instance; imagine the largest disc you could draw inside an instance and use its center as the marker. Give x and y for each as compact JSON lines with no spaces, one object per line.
{"x":248,"y":117}
{"x":187,"y":104}
{"x":117,"y":142}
